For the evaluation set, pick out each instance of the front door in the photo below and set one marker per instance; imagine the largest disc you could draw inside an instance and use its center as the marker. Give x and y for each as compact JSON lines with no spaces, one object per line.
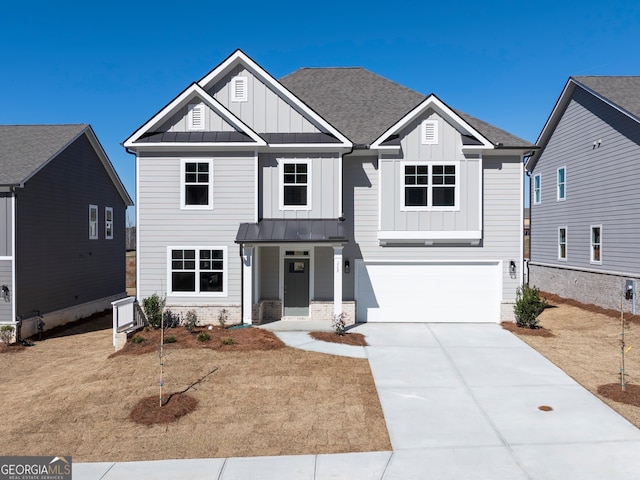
{"x":296,"y":287}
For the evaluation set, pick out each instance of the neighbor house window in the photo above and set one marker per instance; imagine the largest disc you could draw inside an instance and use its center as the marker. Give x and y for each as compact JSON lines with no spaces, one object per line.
{"x":596,"y":244}
{"x":108,"y":223}
{"x":197,"y":184}
{"x":429,"y":186}
{"x":195,"y":116}
{"x":295,"y":185}
{"x":197,"y":270}
{"x":562,"y":243}
{"x":537,"y":189}
{"x":93,"y":222}
{"x":239,"y":89}
{"x":562,"y":171}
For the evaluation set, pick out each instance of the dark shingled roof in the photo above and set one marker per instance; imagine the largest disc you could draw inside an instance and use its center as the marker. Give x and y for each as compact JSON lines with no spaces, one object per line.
{"x":24,"y":149}
{"x":277,"y":230}
{"x":622,"y":90}
{"x":363,"y":105}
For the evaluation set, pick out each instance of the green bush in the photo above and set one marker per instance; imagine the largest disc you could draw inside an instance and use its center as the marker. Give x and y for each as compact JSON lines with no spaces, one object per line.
{"x":137,"y":339}
{"x":6,"y":333}
{"x":170,"y":339}
{"x":528,"y":306}
{"x":204,"y":337}
{"x":227,"y":341}
{"x":152,"y":307}
{"x":191,"y":320}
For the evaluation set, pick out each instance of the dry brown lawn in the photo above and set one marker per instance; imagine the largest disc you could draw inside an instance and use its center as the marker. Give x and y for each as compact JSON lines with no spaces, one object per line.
{"x":586,"y":345}
{"x":68,"y":395}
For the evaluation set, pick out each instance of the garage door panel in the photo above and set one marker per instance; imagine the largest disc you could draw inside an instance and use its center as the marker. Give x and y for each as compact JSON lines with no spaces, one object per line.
{"x":428,"y":292}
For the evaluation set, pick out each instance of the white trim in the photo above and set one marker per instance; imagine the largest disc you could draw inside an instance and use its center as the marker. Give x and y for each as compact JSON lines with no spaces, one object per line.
{"x":240,"y":58}
{"x":183,"y":205}
{"x":256,"y":190}
{"x":197,"y":292}
{"x":94,"y":235}
{"x":193,"y":91}
{"x":108,"y":225}
{"x":288,"y":161}
{"x":311,"y":257}
{"x":564,"y":184}
{"x":138,"y":243}
{"x":340,"y":211}
{"x":248,"y":261}
{"x":429,"y":235}
{"x":591,"y":260}
{"x":14,"y":296}
{"x":430,"y":207}
{"x":566,"y":244}
{"x":429,"y":137}
{"x":521,"y":236}
{"x":192,"y":110}
{"x":538,"y":176}
{"x":443,"y":110}
{"x":243,"y":94}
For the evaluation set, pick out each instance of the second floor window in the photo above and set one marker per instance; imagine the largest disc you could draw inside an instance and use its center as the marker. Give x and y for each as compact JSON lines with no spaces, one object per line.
{"x":537,"y":189}
{"x":295,"y":185}
{"x":197,"y":186}
{"x":429,"y":185}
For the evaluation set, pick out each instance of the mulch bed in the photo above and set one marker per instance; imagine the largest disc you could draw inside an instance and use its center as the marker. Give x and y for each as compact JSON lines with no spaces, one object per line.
{"x":149,"y":412}
{"x":613,"y":391}
{"x":242,"y":339}
{"x":11,"y":348}
{"x":536,"y":332}
{"x":355,"y":339}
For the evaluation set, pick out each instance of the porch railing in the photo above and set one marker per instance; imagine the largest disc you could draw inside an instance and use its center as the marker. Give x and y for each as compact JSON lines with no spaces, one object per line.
{"x":127,"y":315}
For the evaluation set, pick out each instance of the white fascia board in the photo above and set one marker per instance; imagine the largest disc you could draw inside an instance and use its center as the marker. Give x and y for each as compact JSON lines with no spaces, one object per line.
{"x":307,"y":146}
{"x":239,"y":57}
{"x":430,"y":235}
{"x":194,"y":90}
{"x":432,"y":102}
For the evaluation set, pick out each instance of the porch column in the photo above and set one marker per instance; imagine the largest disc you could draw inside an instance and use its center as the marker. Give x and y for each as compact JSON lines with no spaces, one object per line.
{"x":247,"y":284}
{"x":337,"y":280}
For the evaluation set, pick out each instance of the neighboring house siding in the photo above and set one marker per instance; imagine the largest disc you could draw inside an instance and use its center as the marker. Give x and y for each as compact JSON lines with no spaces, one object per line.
{"x":264,"y":111}
{"x":58,"y":266}
{"x":5,"y":279}
{"x":324,"y":184}
{"x":162,"y":223}
{"x":501,"y":229}
{"x":601,"y":188}
{"x":5,"y":225}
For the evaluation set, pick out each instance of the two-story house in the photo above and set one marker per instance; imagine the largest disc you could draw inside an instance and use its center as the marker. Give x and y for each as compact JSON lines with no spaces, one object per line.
{"x":332,"y":190}
{"x":584,"y":179}
{"x":62,"y":220}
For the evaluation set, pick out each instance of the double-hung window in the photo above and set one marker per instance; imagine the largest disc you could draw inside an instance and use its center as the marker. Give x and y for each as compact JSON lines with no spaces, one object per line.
{"x":108,"y":223}
{"x":198,"y":270}
{"x":562,"y":243}
{"x":295,"y":185}
{"x":537,"y":189}
{"x":430,"y":186}
{"x":596,"y":244}
{"x":196,"y":186}
{"x":93,"y":222}
{"x":562,"y":183}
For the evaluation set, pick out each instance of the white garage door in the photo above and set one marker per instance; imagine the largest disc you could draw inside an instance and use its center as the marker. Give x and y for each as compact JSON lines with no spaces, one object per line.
{"x":428,"y":292}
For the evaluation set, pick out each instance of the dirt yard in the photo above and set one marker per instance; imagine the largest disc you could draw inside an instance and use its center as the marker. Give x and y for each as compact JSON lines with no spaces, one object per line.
{"x":69,"y":395}
{"x":585,"y":343}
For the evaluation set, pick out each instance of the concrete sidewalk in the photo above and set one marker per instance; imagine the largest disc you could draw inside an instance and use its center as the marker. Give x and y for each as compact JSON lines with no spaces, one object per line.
{"x":460,"y":401}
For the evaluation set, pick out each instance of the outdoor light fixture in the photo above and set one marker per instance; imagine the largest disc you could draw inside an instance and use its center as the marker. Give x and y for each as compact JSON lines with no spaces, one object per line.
{"x":512,"y":267}
{"x":347,"y":266}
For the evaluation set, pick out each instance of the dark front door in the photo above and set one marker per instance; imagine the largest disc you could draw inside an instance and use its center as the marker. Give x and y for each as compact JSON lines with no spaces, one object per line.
{"x":296,"y":287}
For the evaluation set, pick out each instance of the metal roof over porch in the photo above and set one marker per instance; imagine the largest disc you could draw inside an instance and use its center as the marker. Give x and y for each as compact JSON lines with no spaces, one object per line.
{"x":292,"y":231}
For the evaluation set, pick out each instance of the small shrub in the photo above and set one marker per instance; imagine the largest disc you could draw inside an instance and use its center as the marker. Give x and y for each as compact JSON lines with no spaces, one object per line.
{"x":190,"y":320}
{"x":137,"y":339}
{"x":171,"y":320}
{"x":338,"y":323}
{"x":204,"y":337}
{"x":227,"y":341}
{"x":170,"y":339}
{"x":152,"y":307}
{"x":223,"y":316}
{"x":528,"y":306}
{"x":6,"y":334}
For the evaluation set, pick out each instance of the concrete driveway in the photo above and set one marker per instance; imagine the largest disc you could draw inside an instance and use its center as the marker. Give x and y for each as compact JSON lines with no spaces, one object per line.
{"x":461,"y":401}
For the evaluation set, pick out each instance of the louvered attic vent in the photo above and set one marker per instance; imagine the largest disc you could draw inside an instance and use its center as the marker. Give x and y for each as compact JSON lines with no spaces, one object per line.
{"x":239,"y":89}
{"x":196,"y":116}
{"x":430,"y":132}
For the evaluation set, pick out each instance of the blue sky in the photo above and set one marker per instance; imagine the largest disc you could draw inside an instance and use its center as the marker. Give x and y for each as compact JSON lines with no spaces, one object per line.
{"x":115,"y":64}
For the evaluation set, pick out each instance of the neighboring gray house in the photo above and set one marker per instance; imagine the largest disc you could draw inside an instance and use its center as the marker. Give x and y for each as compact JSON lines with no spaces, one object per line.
{"x":585,"y":180}
{"x":62,"y":219}
{"x":330,"y":191}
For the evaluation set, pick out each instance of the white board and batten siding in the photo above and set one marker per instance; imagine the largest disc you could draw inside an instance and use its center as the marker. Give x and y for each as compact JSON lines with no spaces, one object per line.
{"x":476,"y":277}
{"x":162,"y":223}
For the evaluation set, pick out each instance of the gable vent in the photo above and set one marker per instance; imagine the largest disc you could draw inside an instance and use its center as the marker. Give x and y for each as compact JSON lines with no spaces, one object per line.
{"x":196,"y":116}
{"x":430,"y":132}
{"x":239,"y":89}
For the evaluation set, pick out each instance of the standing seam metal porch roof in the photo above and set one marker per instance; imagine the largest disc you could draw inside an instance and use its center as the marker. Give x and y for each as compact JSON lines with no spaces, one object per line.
{"x":292,"y":231}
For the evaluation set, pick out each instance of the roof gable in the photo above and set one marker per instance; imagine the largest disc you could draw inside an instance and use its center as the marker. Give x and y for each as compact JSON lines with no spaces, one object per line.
{"x":229,"y":131}
{"x":216,"y":82}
